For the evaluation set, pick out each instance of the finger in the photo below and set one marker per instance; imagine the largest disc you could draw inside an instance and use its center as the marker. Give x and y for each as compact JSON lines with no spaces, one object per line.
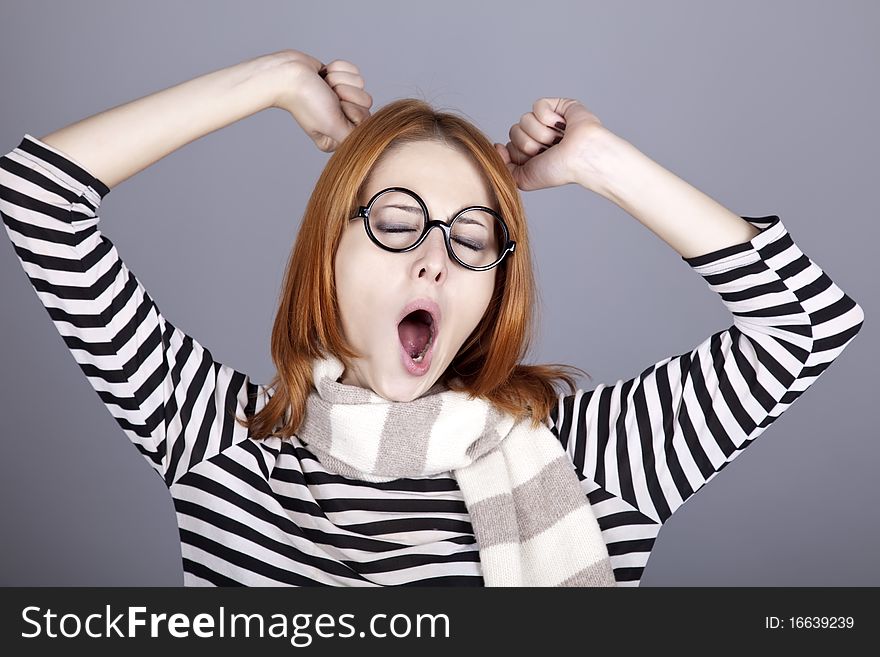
{"x":537,"y":130}
{"x":523,"y":142}
{"x":353,"y":94}
{"x":516,"y":155}
{"x":502,"y":151}
{"x":549,"y":111}
{"x":354,"y":112}
{"x":340,"y":123}
{"x":342,"y":65}
{"x":339,"y":77}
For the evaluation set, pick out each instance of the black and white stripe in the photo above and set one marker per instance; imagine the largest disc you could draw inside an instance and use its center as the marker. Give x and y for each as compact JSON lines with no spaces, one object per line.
{"x":268,"y":513}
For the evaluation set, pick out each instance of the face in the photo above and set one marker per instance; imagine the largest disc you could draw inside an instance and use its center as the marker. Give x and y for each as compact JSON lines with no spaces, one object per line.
{"x":375,"y":286}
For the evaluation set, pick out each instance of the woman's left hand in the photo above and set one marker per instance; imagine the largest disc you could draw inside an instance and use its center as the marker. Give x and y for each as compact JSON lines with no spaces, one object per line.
{"x":542,"y":154}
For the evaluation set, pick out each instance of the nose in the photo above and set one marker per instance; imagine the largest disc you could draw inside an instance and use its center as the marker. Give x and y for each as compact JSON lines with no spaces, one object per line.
{"x":432,"y":259}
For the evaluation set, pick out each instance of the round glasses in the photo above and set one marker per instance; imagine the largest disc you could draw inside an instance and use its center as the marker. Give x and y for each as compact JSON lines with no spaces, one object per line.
{"x":396,"y":219}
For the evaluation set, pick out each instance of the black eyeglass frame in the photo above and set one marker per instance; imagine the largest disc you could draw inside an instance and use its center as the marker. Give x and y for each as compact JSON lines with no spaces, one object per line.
{"x":364,"y":211}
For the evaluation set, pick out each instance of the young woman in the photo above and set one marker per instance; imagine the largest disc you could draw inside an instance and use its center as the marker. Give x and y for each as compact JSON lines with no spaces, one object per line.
{"x":402,"y":441}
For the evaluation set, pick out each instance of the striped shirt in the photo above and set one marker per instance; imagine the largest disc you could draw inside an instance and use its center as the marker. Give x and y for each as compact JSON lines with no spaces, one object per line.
{"x":269,"y":513}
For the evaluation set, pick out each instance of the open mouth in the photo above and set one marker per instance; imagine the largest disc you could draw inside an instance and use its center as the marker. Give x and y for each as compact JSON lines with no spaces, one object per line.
{"x":416,"y":332}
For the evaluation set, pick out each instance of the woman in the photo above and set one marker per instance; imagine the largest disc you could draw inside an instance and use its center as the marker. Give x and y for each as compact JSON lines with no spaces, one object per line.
{"x":402,"y":441}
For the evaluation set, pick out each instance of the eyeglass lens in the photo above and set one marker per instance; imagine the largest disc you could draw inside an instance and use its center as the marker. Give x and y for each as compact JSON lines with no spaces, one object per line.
{"x":397,"y":221}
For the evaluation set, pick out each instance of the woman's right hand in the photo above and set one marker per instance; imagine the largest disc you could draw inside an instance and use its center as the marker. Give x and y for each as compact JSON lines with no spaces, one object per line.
{"x":327,"y":102}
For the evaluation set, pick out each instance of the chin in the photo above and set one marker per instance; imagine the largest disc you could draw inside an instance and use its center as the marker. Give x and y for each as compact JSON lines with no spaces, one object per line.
{"x":400,"y":391}
{"x":403,"y":387}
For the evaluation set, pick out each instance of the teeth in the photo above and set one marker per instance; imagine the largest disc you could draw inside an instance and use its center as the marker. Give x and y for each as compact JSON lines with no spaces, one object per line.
{"x":421,"y":356}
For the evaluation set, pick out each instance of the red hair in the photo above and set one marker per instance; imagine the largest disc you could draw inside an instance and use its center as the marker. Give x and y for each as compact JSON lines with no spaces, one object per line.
{"x":307,"y":325}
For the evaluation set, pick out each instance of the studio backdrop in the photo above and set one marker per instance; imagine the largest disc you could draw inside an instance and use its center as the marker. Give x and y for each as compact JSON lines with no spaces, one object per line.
{"x":767,"y":107}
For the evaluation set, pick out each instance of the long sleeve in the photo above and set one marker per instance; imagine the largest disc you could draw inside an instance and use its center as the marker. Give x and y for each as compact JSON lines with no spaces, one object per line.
{"x":163,"y":388}
{"x":645,"y":445}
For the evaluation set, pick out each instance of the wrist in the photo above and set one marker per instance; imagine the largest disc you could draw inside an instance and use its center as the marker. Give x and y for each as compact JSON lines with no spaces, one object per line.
{"x":280,"y":73}
{"x":267,"y":76}
{"x":602,"y":160}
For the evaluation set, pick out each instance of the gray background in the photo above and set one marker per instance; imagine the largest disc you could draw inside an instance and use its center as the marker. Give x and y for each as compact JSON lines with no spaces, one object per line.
{"x":768,"y":107}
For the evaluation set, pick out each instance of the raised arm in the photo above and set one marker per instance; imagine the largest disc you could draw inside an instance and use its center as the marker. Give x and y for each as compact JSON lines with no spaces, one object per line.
{"x":655,"y":439}
{"x":165,"y":390}
{"x":119,"y":142}
{"x":645,"y":445}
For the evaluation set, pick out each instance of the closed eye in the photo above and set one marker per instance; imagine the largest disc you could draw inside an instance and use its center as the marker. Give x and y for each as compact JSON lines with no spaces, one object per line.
{"x":474,"y":246}
{"x":395,"y":229}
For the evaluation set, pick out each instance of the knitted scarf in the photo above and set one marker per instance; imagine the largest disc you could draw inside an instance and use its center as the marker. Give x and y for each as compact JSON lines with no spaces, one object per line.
{"x":532,"y":521}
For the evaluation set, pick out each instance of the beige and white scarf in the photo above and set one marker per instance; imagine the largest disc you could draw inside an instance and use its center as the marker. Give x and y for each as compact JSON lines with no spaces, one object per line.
{"x":532,"y":521}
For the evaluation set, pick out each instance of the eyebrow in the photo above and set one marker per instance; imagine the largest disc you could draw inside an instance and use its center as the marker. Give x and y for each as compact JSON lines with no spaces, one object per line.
{"x":409,"y":208}
{"x":417,"y":210}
